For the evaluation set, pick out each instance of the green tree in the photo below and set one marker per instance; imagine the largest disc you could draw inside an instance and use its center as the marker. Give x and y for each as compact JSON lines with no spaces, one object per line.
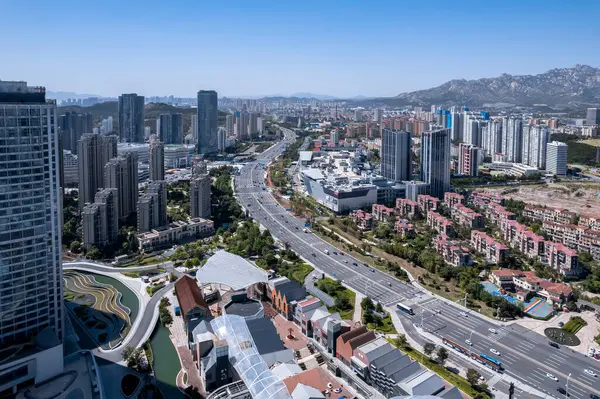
{"x":473,"y":377}
{"x":400,"y":340}
{"x":75,"y":247}
{"x":428,"y":348}
{"x":94,"y":253}
{"x":366,"y":304}
{"x":442,"y":355}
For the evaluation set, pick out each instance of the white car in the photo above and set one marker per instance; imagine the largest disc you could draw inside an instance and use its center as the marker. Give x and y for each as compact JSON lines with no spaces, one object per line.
{"x":590,"y":372}
{"x":551,"y":376}
{"x":495,"y":352}
{"x":468,"y":342}
{"x":463,"y":314}
{"x":591,"y":352}
{"x":492,"y":330}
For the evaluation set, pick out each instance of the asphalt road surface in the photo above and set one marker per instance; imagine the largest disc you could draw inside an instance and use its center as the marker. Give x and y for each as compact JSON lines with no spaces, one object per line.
{"x":525,"y":355}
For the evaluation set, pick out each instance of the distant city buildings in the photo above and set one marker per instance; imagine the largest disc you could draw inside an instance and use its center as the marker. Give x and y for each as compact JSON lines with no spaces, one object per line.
{"x":593,"y":116}
{"x":131,"y":118}
{"x":72,"y":126}
{"x":556,"y":158}
{"x":207,"y":121}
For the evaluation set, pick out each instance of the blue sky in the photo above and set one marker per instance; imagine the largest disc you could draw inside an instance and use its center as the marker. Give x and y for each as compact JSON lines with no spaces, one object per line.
{"x":341,"y":48}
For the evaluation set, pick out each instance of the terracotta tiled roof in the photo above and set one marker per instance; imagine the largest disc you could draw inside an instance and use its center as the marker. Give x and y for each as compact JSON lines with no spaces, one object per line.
{"x":189,"y":294}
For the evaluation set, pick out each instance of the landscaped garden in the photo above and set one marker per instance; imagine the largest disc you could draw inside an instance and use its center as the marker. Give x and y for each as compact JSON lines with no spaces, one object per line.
{"x":98,"y":308}
{"x":344,"y":298}
{"x":574,"y":324}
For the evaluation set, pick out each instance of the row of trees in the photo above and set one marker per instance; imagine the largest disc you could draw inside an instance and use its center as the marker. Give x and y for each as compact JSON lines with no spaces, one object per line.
{"x":226,"y":209}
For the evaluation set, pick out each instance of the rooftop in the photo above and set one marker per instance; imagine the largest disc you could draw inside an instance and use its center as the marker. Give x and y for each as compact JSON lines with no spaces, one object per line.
{"x":246,"y":308}
{"x":230,"y":270}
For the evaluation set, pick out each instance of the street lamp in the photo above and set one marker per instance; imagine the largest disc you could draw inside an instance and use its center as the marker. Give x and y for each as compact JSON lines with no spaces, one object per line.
{"x":567,"y":390}
{"x":471,"y":335}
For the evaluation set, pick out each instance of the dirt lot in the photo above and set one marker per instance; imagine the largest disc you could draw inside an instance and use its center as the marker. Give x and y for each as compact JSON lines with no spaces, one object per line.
{"x":577,"y":197}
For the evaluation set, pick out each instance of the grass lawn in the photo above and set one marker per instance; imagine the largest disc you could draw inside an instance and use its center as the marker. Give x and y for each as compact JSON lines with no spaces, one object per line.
{"x":345,"y":314}
{"x":454,"y":379}
{"x":300,"y":271}
{"x":387,"y":326}
{"x":349,"y":313}
{"x":574,"y":324}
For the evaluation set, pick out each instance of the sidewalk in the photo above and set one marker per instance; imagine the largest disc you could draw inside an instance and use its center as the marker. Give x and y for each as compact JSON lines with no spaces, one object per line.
{"x":357,"y":309}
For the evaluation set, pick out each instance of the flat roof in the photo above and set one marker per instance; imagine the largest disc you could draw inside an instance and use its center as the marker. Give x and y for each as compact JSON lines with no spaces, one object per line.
{"x":230,"y":270}
{"x":245,"y":308}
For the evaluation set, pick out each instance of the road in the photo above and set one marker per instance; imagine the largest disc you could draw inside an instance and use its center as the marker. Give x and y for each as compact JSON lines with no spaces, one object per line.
{"x":525,"y":354}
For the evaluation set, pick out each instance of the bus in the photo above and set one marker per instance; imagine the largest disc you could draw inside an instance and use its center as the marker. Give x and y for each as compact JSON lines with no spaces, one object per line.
{"x":491,"y":359}
{"x":487,"y":363}
{"x":455,"y":346}
{"x":405,"y":309}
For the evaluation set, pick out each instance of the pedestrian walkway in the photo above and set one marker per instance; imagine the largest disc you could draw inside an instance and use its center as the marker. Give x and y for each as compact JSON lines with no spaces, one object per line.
{"x":357,"y":317}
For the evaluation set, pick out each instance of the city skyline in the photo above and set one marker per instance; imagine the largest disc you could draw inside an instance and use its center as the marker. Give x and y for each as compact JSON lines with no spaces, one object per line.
{"x":283,"y":48}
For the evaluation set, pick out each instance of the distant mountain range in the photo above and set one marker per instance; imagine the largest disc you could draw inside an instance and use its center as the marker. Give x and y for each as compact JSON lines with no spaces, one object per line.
{"x":560,"y":87}
{"x":557,"y":87}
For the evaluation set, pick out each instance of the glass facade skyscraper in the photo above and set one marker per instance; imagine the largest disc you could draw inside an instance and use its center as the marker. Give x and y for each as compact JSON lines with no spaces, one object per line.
{"x":207,"y":121}
{"x":31,"y":303}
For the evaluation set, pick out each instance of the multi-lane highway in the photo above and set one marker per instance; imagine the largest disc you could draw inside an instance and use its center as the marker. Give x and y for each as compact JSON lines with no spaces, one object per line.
{"x":525,"y":355}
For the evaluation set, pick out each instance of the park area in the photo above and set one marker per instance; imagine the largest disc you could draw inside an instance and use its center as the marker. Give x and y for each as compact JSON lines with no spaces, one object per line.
{"x":98,"y":305}
{"x":535,"y":307}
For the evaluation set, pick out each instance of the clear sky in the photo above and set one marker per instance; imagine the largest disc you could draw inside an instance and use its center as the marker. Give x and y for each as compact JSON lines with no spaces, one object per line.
{"x":255,"y":47}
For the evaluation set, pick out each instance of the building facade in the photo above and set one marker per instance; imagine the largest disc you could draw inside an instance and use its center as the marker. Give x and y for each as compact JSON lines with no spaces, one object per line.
{"x":156,"y":160}
{"x":31,"y":290}
{"x":169,"y":128}
{"x":396,"y":155}
{"x":94,"y":151}
{"x":131,"y":118}
{"x":200,"y":197}
{"x":207,"y":121}
{"x":556,"y":158}
{"x":435,"y":161}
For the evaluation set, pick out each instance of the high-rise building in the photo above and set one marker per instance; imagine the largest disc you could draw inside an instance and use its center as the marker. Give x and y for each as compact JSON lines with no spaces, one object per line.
{"x":457,"y":126}
{"x":358,"y":115}
{"x":378,"y":115}
{"x":396,"y":155}
{"x":435,"y":161}
{"x":200,"y":202}
{"x":229,"y":125}
{"x":468,"y":159}
{"x":491,"y":138}
{"x":122,"y":173}
{"x":199,"y":166}
{"x":207,"y":121}
{"x":71,"y":126}
{"x":593,"y":116}
{"x":222,"y":139}
{"x":156,"y":159}
{"x":158,"y":189}
{"x":152,"y":207}
{"x":100,"y":220}
{"x":131,"y":118}
{"x":31,"y":290}
{"x":334,"y":137}
{"x":556,"y":158}
{"x":194,"y":127}
{"x":535,"y":140}
{"x":512,"y":138}
{"x":106,"y":126}
{"x":260,"y":122}
{"x":94,"y":151}
{"x":253,"y":125}
{"x":242,"y":126}
{"x":169,"y":128}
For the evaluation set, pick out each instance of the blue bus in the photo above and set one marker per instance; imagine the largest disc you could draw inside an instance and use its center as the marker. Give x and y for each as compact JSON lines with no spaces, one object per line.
{"x":491,"y":359}
{"x":405,"y":309}
{"x":483,"y":359}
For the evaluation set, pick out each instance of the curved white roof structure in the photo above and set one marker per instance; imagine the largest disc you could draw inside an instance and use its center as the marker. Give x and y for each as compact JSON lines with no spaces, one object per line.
{"x":230,"y":270}
{"x":246,"y":360}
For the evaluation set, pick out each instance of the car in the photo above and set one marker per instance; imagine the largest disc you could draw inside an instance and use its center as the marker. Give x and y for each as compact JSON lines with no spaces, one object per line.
{"x":551,"y":376}
{"x":341,"y":253}
{"x":463,"y":314}
{"x":334,"y":252}
{"x":373,"y":270}
{"x":468,"y":342}
{"x":562,"y":391}
{"x":590,"y":372}
{"x":591,"y":352}
{"x":314,"y":254}
{"x":345,"y":261}
{"x":492,"y":330}
{"x":560,"y":324}
{"x":355,"y":264}
{"x":553,"y":344}
{"x":592,"y":396}
{"x":495,"y":351}
{"x":366,"y":264}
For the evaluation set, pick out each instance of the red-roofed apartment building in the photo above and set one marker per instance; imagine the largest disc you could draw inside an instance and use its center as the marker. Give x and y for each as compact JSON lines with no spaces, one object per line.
{"x":576,"y":237}
{"x":481,"y":198}
{"x":591,"y":221}
{"x":381,"y":213}
{"x":466,"y":217}
{"x":549,"y":214}
{"x":497,"y":213}
{"x":451,"y":199}
{"x":451,"y":251}
{"x":562,"y":259}
{"x":493,"y":250}
{"x":437,"y":222}
{"x":523,"y":239}
{"x":349,"y":341}
{"x":363,"y":220}
{"x":406,"y":208}
{"x":427,"y":203}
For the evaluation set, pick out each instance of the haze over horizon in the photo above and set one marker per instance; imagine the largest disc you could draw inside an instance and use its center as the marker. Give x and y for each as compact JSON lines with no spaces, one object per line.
{"x":340,"y":49}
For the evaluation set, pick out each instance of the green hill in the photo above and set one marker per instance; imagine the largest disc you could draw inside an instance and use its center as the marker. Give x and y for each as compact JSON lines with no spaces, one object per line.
{"x":578,"y":153}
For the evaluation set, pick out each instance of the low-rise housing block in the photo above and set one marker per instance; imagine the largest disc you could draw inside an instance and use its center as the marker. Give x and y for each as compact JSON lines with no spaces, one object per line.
{"x":406,"y":208}
{"x":549,"y":214}
{"x":381,"y":212}
{"x":440,"y":224}
{"x":427,"y":203}
{"x":451,"y":251}
{"x":451,"y":199}
{"x":467,"y":217}
{"x":493,"y":250}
